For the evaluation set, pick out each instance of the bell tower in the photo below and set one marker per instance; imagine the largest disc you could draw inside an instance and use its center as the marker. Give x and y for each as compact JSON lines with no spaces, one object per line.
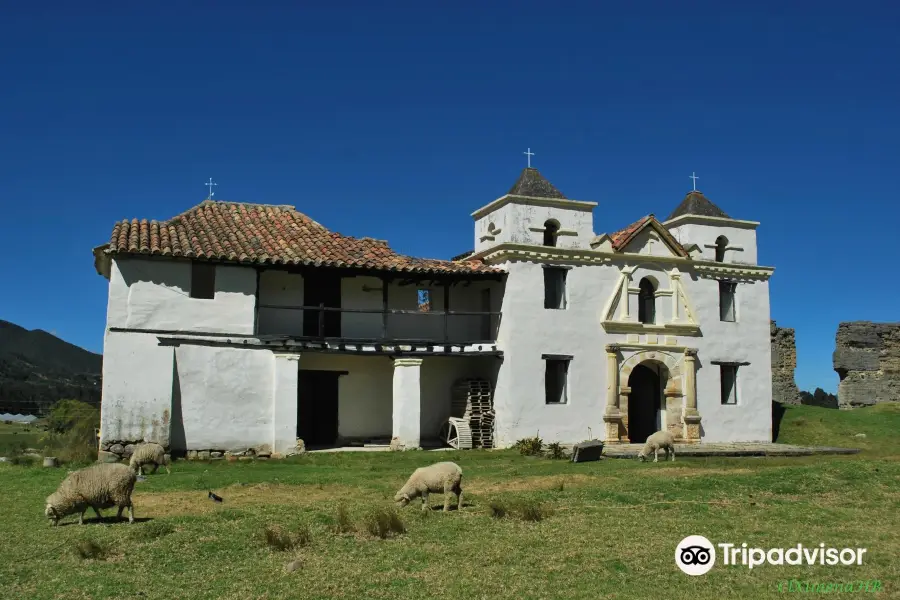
{"x":535,"y":213}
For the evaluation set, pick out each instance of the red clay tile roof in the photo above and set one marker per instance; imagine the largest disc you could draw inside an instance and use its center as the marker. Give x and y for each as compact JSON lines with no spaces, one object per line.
{"x":621,"y":238}
{"x":267,"y":234}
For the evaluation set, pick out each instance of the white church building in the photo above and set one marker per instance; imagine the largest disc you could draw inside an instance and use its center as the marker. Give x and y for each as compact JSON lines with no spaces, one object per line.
{"x":234,"y":325}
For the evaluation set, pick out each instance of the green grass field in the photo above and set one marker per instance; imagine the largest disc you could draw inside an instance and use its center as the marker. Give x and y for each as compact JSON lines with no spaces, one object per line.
{"x":15,"y":436}
{"x":609,"y":528}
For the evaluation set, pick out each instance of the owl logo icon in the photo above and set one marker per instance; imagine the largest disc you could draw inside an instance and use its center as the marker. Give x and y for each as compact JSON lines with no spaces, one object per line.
{"x":695,"y":555}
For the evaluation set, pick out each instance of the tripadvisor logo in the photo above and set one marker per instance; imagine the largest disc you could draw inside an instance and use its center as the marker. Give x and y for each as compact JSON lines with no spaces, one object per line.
{"x":696,"y":555}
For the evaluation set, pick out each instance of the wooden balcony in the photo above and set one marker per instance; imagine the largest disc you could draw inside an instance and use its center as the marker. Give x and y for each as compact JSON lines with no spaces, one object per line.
{"x":362,"y":325}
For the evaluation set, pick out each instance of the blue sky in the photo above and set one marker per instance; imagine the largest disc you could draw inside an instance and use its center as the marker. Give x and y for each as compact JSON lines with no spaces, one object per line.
{"x":396,"y":121}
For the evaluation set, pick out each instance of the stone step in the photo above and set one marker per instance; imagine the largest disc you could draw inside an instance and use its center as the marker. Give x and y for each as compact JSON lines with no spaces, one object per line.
{"x":733,"y":450}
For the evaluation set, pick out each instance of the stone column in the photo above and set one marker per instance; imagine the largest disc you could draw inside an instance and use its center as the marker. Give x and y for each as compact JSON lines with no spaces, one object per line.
{"x":624,"y":392}
{"x":407,"y":411}
{"x":284,"y":403}
{"x":612,"y":417}
{"x":675,"y":277}
{"x":673,"y":410}
{"x":691,"y":414}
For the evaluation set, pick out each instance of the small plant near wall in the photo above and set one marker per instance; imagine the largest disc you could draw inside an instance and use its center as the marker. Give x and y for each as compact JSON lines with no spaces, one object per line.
{"x":532,"y":446}
{"x":555,"y":451}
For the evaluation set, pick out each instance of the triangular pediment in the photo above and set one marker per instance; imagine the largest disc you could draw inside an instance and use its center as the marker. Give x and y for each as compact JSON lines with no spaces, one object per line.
{"x":649,"y":237}
{"x":650,"y":243}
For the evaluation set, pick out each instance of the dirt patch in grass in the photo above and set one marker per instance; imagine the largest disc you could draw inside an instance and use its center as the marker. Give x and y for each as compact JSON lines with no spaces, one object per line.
{"x":546,"y":482}
{"x":165,"y":504}
{"x":551,"y":482}
{"x":691,"y":472}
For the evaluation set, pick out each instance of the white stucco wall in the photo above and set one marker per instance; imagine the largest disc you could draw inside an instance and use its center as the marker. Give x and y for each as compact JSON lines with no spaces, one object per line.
{"x":137,"y":389}
{"x":155,"y":294}
{"x":189,"y":397}
{"x":226,"y":397}
{"x":528,"y":331}
{"x":741,"y":248}
{"x":515,"y":222}
{"x":576,"y":331}
{"x":285,"y":397}
{"x":745,"y":340}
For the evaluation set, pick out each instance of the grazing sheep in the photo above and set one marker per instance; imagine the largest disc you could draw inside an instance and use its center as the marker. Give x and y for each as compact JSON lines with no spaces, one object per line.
{"x":99,"y":486}
{"x":443,"y":477}
{"x":149,"y":454}
{"x":661,"y":440}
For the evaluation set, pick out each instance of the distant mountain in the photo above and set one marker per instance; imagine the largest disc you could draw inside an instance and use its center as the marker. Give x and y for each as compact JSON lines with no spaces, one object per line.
{"x":38,"y":369}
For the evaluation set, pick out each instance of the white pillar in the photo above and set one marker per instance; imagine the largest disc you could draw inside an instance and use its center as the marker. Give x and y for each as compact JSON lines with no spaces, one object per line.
{"x":407,"y":409}
{"x":284,"y":403}
{"x":675,"y":278}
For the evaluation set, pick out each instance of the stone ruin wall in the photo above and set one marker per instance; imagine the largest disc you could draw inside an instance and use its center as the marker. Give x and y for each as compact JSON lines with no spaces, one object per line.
{"x":867,"y":359}
{"x":784,"y":361}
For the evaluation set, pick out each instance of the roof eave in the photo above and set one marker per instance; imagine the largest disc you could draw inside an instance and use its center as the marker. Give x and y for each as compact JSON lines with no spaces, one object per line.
{"x":718,"y":221}
{"x":102,"y":260}
{"x":535,"y":201}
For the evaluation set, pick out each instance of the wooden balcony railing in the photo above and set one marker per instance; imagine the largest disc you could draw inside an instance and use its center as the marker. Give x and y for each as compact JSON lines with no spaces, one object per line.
{"x":325,"y":322}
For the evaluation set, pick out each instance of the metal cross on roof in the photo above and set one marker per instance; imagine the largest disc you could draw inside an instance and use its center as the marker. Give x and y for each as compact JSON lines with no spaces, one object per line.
{"x":211,"y":192}
{"x":529,"y":154}
{"x":695,"y":178}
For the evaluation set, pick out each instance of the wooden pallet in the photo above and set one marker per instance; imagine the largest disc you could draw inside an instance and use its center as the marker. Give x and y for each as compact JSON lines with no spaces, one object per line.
{"x":472,"y":400}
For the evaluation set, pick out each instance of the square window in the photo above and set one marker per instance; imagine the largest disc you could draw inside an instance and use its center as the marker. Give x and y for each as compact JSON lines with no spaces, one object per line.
{"x":203,"y":280}
{"x":728,"y":376}
{"x":556,"y":380}
{"x":555,"y":288}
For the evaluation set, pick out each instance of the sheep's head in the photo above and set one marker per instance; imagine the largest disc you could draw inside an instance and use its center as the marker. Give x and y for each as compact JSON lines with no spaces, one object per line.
{"x":401,"y":498}
{"x":50,"y":512}
{"x":641,"y":456}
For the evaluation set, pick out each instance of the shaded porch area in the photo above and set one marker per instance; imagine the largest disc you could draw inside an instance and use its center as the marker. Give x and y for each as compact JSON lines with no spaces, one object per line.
{"x":333,"y":400}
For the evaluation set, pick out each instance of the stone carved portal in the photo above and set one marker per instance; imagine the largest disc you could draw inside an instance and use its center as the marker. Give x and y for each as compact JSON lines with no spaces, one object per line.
{"x":650,"y":380}
{"x":642,"y":416}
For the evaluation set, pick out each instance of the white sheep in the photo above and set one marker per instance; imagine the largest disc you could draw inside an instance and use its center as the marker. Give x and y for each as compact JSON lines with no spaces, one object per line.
{"x":443,"y":477}
{"x":661,"y":440}
{"x":149,"y":453}
{"x":99,"y":486}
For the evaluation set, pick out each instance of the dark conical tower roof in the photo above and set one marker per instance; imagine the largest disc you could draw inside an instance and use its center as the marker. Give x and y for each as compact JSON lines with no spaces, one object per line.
{"x":695,"y":203}
{"x":532,"y":183}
